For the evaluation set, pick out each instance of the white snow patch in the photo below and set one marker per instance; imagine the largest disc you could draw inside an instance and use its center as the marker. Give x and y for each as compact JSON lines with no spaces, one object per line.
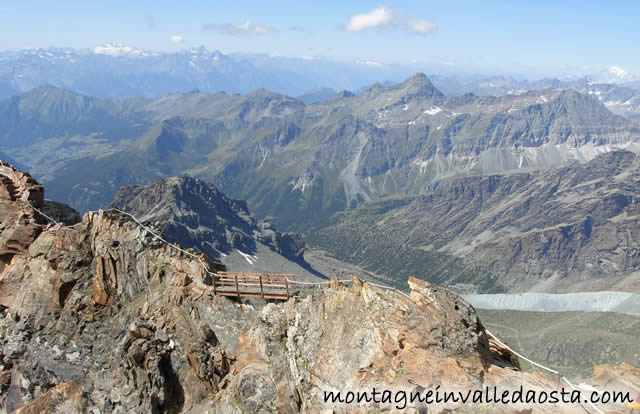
{"x":249,"y":258}
{"x":406,"y":107}
{"x":433,"y":110}
{"x":113,"y":49}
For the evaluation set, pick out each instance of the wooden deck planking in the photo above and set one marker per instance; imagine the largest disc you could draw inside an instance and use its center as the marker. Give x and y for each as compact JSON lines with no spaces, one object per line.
{"x":253,"y":285}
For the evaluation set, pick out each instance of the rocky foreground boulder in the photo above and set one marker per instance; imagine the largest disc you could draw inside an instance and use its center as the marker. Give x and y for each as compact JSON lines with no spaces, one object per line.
{"x":102,"y":317}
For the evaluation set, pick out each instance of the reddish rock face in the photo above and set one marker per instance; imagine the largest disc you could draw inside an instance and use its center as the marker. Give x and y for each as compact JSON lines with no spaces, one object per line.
{"x":64,"y":398}
{"x":19,"y":223}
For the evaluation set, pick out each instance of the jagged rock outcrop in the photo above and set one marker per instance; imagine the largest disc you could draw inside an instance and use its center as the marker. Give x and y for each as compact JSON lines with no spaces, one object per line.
{"x":195,"y":213}
{"x":105,"y":308}
{"x":19,"y":224}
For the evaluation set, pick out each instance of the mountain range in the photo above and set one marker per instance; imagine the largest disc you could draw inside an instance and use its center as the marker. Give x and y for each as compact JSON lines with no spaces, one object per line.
{"x":566,"y":229}
{"x":305,"y":167}
{"x":298,"y":163}
{"x":622,"y":99}
{"x":120,"y":71}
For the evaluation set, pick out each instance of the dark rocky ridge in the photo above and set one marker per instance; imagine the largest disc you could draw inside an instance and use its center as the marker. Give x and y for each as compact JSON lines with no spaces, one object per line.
{"x":61,"y":213}
{"x":196,"y":214}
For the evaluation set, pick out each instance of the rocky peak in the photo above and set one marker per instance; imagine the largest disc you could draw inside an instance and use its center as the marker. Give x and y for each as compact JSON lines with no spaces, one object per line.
{"x":196,"y":214}
{"x":373,"y":91}
{"x":420,"y":85}
{"x":341,"y":95}
{"x":53,"y":103}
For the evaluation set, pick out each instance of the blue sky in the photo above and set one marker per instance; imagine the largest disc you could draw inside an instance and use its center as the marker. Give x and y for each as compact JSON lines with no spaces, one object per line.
{"x":540,"y":38}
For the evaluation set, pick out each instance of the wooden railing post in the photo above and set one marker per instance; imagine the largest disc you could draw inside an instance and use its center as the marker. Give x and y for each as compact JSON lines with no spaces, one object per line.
{"x":237,"y":287}
{"x":261,"y":290}
{"x":286,"y":284}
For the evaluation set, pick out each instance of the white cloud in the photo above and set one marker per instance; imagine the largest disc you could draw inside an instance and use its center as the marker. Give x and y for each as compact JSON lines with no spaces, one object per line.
{"x":375,"y":18}
{"x":372,"y":63}
{"x":246,"y":28}
{"x":176,"y":39}
{"x":617,"y":74}
{"x":384,"y":17}
{"x":421,"y":26}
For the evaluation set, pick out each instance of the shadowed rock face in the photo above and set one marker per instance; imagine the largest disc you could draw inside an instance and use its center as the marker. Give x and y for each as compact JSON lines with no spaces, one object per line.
{"x":195,"y":213}
{"x":61,"y":212}
{"x":106,"y":309}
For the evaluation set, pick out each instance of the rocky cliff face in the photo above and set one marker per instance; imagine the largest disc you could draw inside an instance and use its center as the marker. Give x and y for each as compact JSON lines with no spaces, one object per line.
{"x":19,"y":225}
{"x":195,"y":213}
{"x":567,"y":229}
{"x":102,"y":317}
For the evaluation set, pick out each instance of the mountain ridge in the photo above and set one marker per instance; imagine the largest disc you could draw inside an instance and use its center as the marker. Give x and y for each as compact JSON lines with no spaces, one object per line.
{"x":560,"y":230}
{"x":295,"y":162}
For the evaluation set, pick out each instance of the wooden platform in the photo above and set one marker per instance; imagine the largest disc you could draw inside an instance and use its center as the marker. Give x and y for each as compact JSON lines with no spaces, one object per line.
{"x":253,"y":285}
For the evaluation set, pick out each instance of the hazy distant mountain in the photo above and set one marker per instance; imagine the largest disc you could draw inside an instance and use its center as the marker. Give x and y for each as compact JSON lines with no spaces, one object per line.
{"x":317,"y":95}
{"x":120,"y":71}
{"x":50,"y":112}
{"x":297,"y":163}
{"x":621,"y":99}
{"x":633,"y":85}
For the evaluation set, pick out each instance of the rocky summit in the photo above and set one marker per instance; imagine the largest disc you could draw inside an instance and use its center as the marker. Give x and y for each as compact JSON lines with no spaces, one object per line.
{"x":103,"y":317}
{"x":195,"y":213}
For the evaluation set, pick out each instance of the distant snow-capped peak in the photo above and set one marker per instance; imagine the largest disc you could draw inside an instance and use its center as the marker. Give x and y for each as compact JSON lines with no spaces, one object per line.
{"x":115,"y":49}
